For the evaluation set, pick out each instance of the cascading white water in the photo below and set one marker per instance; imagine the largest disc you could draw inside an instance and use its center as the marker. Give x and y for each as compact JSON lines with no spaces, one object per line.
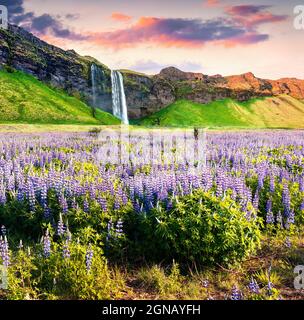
{"x":119,"y":101}
{"x":94,"y":73}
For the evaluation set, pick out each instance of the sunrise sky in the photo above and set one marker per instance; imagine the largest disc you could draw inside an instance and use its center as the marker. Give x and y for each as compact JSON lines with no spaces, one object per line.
{"x":215,"y":36}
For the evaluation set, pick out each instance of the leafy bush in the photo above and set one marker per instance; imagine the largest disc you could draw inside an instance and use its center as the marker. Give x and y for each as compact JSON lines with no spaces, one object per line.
{"x":199,"y":228}
{"x":69,"y":271}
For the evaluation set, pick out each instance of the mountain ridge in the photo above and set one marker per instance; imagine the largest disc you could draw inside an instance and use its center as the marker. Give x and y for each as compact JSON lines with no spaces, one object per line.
{"x":21,"y":50}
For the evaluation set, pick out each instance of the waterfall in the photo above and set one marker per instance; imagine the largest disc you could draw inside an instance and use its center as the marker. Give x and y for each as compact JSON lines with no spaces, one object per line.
{"x":118,"y":97}
{"x":94,"y":74}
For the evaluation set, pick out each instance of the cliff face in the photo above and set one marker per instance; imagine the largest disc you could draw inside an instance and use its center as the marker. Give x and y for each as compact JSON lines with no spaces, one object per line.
{"x":21,"y":50}
{"x":145,"y":94}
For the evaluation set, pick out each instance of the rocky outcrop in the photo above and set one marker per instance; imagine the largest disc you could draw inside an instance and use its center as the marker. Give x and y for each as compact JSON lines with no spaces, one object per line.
{"x":262,"y":87}
{"x":204,"y":89}
{"x":67,"y":70}
{"x":174,"y":74}
{"x":145,"y":94}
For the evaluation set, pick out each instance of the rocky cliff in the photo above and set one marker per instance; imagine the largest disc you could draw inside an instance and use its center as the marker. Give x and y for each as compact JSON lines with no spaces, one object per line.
{"x":203,"y":88}
{"x":23,"y":51}
{"x":145,"y":94}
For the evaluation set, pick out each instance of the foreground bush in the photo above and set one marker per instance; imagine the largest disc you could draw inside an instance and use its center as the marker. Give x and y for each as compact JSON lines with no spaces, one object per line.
{"x":199,"y":228}
{"x":68,"y":270}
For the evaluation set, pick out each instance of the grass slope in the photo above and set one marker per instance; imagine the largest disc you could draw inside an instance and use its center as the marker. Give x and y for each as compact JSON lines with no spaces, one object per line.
{"x":24,"y":99}
{"x":271,"y":112}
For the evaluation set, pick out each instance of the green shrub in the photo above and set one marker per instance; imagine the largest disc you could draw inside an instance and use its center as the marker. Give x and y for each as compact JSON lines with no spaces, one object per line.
{"x":34,"y":276}
{"x":70,"y":278}
{"x":21,"y":284}
{"x":200,"y":228}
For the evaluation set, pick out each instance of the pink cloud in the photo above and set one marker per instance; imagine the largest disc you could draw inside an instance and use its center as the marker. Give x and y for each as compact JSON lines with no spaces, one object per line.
{"x":118,"y":16}
{"x":212,"y":3}
{"x":168,"y":33}
{"x":252,"y":16}
{"x":239,"y":29}
{"x":244,"y":40}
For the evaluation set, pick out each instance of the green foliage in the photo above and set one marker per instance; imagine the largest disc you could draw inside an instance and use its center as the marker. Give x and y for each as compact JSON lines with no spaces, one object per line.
{"x":287,"y":112}
{"x":200,"y":228}
{"x":32,"y":275}
{"x":156,"y":279}
{"x":21,"y":285}
{"x":24,"y":99}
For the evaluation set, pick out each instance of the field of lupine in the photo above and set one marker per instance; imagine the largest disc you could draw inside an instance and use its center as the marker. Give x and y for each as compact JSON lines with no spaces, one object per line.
{"x":77,"y":225}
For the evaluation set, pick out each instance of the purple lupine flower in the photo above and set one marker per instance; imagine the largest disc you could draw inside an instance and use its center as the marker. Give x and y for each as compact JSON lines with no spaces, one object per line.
{"x":117,"y":204}
{"x":66,"y":254}
{"x":271,"y":184}
{"x":86,"y":206}
{"x":270,"y":288}
{"x":256,"y":201}
{"x":288,"y":242}
{"x":269,"y":218}
{"x":169,"y":205}
{"x":31,"y":196}
{"x":47,"y":213}
{"x":291,"y":217}
{"x":46,"y":244}
{"x":4,"y":252}
{"x":219,"y":187}
{"x":73,"y":203}
{"x":63,"y":204}
{"x":89,"y":258}
{"x":269,"y":214}
{"x":43,"y":196}
{"x":20,"y":195}
{"x":236,"y":294}
{"x":136,"y":206}
{"x":260,"y":181}
{"x":60,"y":226}
{"x":3,"y":230}
{"x":1,"y":246}
{"x":249,"y":215}
{"x":119,"y":228}
{"x":254,"y":287}
{"x":301,"y":184}
{"x":110,"y":226}
{"x":3,"y":198}
{"x":279,"y":219}
{"x":269,"y":206}
{"x":103,"y":203}
{"x":286,"y":199}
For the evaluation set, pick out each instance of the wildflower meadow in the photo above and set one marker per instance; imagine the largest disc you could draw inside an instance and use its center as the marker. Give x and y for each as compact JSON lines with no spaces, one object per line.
{"x":77,"y":225}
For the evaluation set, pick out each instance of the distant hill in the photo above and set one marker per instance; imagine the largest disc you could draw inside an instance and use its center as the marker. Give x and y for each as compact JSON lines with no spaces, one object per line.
{"x":145,"y":94}
{"x":281,"y":111}
{"x":24,"y":99}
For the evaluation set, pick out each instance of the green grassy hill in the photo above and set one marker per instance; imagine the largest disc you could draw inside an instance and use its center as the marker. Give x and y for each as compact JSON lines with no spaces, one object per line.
{"x":271,"y":112}
{"x":24,"y":99}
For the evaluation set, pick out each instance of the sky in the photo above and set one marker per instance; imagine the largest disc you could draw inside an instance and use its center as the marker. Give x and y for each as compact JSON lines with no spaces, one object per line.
{"x":210,"y":36}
